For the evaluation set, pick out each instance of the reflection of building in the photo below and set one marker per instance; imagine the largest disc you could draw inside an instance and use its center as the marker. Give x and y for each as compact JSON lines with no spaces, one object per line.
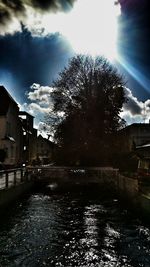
{"x":10,"y":129}
{"x":29,"y":136}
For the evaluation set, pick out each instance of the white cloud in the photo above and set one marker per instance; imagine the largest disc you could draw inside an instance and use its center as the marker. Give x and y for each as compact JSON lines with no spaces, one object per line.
{"x":44,"y":129}
{"x":41,"y":94}
{"x":36,"y":109}
{"x":40,"y":100}
{"x":132,"y":104}
{"x":135,"y":110}
{"x":40,"y":105}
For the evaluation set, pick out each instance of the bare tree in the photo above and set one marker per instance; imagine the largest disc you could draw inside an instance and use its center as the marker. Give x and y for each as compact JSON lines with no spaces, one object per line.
{"x":88,"y":97}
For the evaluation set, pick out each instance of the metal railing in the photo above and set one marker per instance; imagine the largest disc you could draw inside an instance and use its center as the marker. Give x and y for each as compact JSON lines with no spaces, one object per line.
{"x":69,"y":172}
{"x":12,"y":177}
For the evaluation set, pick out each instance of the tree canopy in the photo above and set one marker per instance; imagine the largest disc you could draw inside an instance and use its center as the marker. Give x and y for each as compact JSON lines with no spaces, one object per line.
{"x":87,"y":100}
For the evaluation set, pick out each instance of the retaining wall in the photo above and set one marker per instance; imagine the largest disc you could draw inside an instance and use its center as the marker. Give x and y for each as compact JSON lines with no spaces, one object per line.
{"x":11,"y":194}
{"x":108,"y":179}
{"x":126,"y":188}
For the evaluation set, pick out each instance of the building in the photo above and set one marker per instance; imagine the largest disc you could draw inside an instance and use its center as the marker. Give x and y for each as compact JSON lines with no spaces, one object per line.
{"x":10,"y":130}
{"x":36,"y":149}
{"x":19,"y":143}
{"x":29,"y":136}
{"x":134,"y":135}
{"x":126,"y":142}
{"x":43,"y":151}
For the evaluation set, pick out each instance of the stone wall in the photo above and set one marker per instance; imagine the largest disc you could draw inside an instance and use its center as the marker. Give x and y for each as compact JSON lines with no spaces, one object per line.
{"x":108,"y":180}
{"x":7,"y":196}
{"x":128,"y":186}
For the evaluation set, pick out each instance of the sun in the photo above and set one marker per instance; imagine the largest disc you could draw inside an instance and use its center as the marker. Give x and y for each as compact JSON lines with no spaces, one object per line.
{"x":91,"y":27}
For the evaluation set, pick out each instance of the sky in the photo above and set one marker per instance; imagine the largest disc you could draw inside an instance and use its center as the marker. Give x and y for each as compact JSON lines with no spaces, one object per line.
{"x":38,"y":37}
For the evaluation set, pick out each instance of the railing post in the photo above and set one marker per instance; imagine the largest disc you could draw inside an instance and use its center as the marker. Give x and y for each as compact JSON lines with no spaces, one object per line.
{"x":26,"y":176}
{"x":14,"y":177}
{"x":6,"y":180}
{"x":21,"y":180}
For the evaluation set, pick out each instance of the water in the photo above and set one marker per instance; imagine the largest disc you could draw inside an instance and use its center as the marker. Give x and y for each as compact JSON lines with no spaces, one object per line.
{"x":72,"y":228}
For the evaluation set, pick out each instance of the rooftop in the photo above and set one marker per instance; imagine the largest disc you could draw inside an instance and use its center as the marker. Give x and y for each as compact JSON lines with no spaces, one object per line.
{"x":25,"y":113}
{"x":5,"y":100}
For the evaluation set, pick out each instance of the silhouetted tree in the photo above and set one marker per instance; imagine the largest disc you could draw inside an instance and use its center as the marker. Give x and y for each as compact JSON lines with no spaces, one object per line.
{"x":88,"y":97}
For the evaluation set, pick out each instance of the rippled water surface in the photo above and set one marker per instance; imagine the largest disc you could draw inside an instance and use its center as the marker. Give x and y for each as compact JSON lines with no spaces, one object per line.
{"x":72,"y":228}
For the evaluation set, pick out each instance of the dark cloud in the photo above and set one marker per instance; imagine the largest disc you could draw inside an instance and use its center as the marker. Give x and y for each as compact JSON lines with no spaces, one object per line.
{"x":4,"y":16}
{"x":32,"y":59}
{"x":134,"y":6}
{"x":134,"y":26}
{"x":55,"y":5}
{"x":10,"y":9}
{"x":16,"y":6}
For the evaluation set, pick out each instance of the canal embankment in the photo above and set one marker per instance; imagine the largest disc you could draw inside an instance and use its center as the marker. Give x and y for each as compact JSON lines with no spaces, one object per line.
{"x":132,"y":191}
{"x":13,"y":184}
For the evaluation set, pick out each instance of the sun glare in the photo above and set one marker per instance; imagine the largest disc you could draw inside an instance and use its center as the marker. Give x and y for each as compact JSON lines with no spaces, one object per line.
{"x":91,"y":26}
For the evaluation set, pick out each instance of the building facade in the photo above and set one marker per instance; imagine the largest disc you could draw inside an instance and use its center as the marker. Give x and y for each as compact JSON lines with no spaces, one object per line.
{"x":10,"y":129}
{"x":19,"y":143}
{"x":43,"y":150}
{"x":29,"y":136}
{"x":134,"y":135}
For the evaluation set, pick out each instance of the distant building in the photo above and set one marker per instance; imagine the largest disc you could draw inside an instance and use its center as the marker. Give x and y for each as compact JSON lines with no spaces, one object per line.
{"x":143,"y":154}
{"x":43,"y":150}
{"x":127,"y":141}
{"x":19,"y":144}
{"x":29,"y":136}
{"x":36,"y":149}
{"x":10,"y":129}
{"x":134,"y":135}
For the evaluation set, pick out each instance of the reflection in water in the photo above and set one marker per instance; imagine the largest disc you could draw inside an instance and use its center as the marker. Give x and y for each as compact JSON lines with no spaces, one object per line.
{"x":73,"y":228}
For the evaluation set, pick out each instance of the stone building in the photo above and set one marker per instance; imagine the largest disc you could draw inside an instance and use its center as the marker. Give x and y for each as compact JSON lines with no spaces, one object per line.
{"x":19,"y":143}
{"x":10,"y":130}
{"x":35,"y":148}
{"x":127,"y":141}
{"x":143,"y":154}
{"x":134,"y":135}
{"x":43,"y":150}
{"x":29,"y":136}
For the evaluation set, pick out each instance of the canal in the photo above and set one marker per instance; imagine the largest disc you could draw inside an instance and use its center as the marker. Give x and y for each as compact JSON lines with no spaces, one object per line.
{"x":73,"y":227}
